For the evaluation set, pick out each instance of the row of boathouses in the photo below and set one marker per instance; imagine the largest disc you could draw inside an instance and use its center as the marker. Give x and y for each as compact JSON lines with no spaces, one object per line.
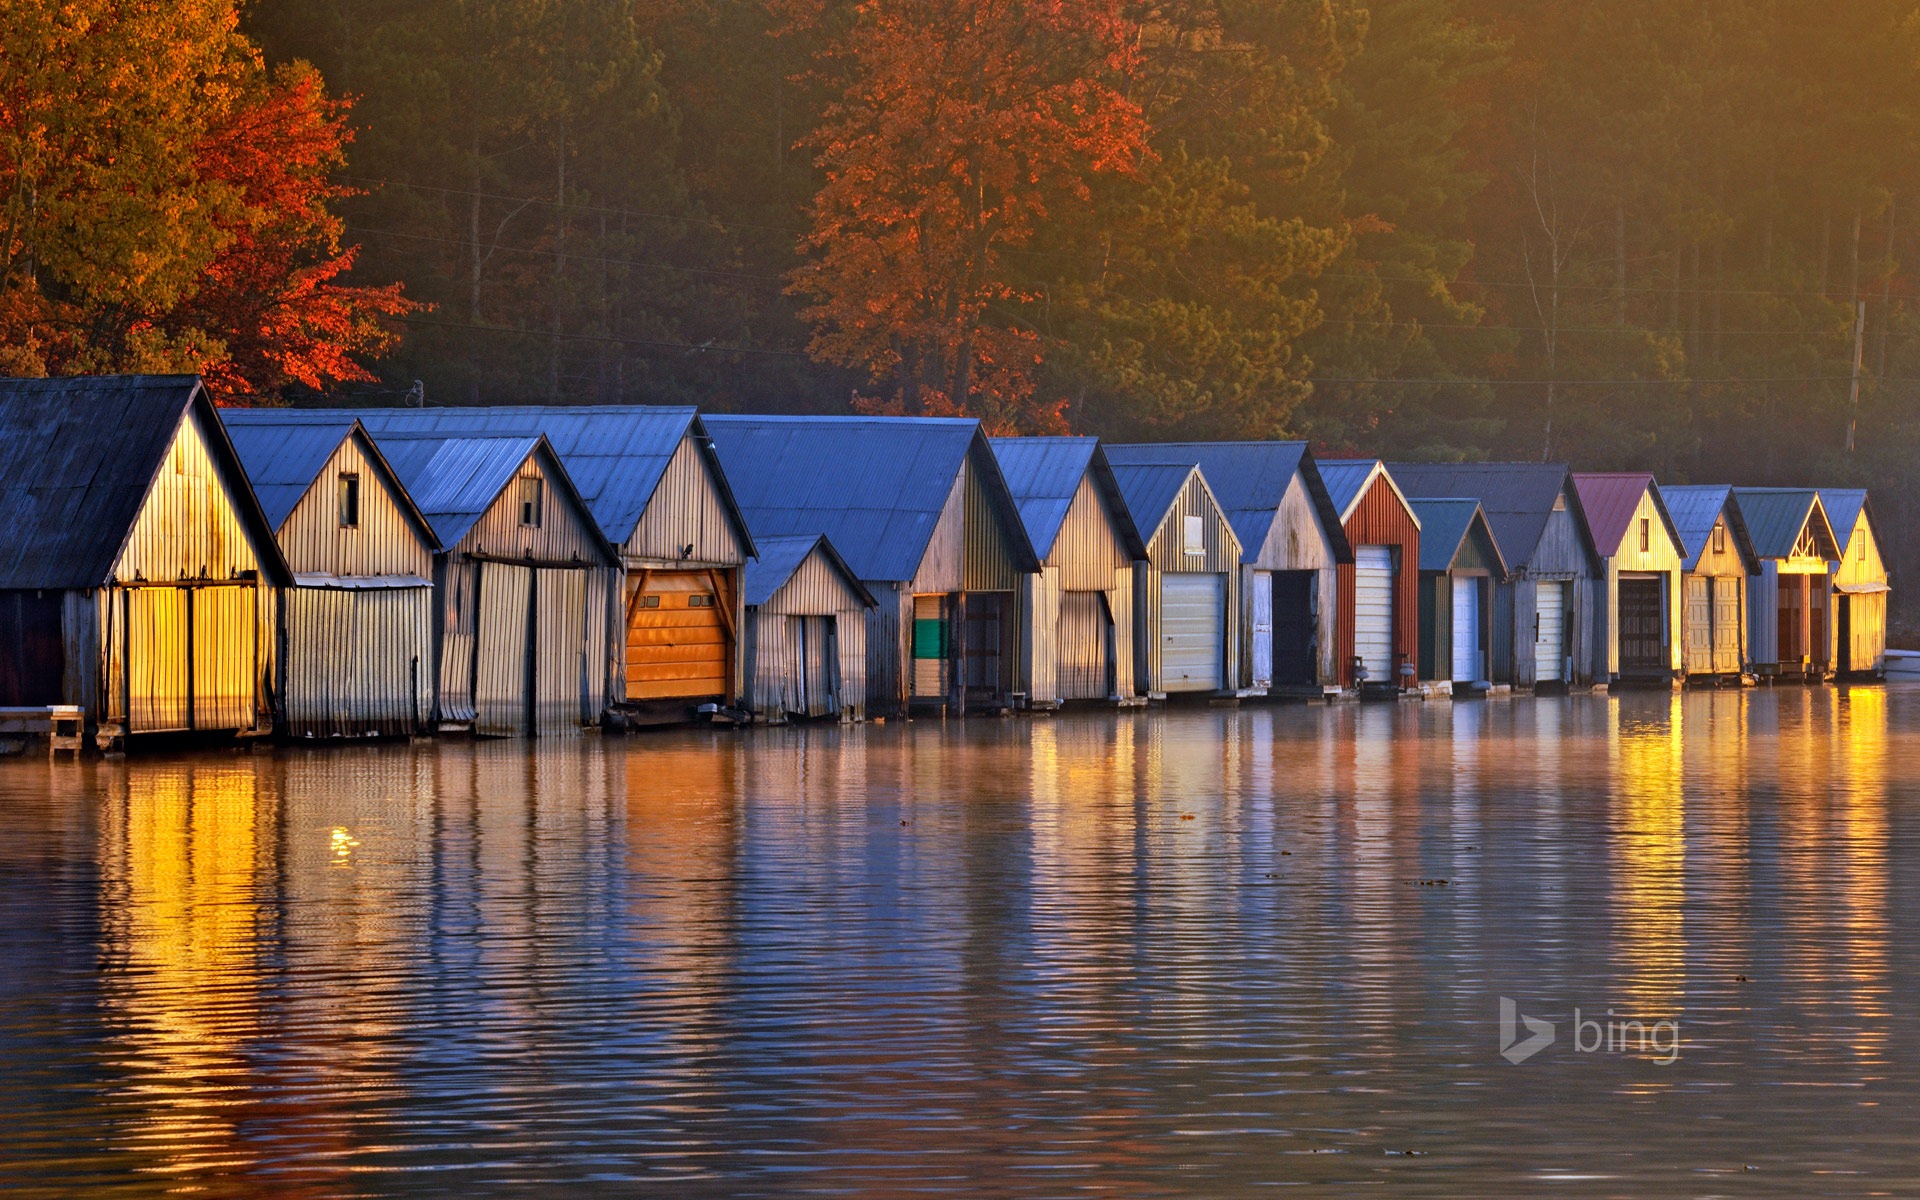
{"x":168,"y":566}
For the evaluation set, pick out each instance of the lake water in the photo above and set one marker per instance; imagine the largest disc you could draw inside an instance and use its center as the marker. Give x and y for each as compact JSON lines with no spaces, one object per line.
{"x":1194,"y":952}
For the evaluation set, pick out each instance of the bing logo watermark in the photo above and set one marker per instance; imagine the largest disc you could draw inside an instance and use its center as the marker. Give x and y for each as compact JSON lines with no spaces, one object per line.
{"x":1657,"y":1040}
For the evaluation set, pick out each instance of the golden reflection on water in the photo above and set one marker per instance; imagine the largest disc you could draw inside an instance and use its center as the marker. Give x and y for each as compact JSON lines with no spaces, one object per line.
{"x":181,"y":852}
{"x":1859,"y":875}
{"x":853,"y":946}
{"x":1649,"y":835}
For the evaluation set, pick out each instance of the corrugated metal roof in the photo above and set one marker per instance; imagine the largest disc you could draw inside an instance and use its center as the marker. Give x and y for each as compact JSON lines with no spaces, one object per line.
{"x":282,"y":458}
{"x":1609,"y":500}
{"x":1445,"y":522}
{"x":1150,"y":490}
{"x":454,"y":480}
{"x":874,"y":485}
{"x":781,"y":556}
{"x":77,"y":461}
{"x":1844,"y":506}
{"x":1250,"y":479}
{"x":1517,"y":498}
{"x":1695,"y":510}
{"x":615,"y":454}
{"x":1044,"y":474}
{"x":1775,"y":518}
{"x":1347,"y":480}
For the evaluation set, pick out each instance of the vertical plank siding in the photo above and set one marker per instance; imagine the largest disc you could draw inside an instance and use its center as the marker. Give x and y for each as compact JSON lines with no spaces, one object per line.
{"x":686,"y":509}
{"x":359,"y":661}
{"x":383,"y":543}
{"x":1166,"y":554}
{"x":1559,"y":557}
{"x":1714,"y":595}
{"x":815,"y":611}
{"x":188,"y":527}
{"x":1380,"y":519}
{"x":168,"y":660}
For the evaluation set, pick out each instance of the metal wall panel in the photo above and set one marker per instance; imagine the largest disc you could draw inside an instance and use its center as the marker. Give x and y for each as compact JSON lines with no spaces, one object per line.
{"x":686,"y":509}
{"x":1083,"y":644}
{"x":457,"y":591}
{"x":563,"y":535}
{"x":501,"y":649}
{"x":563,"y":667}
{"x":1379,"y":519}
{"x":187,"y":527}
{"x":943,"y":566}
{"x":359,"y":661}
{"x":1088,"y":550}
{"x":889,"y":627}
{"x":383,"y":543}
{"x":224,"y":659}
{"x":156,"y":659}
{"x":989,"y":565}
{"x":1125,"y":629}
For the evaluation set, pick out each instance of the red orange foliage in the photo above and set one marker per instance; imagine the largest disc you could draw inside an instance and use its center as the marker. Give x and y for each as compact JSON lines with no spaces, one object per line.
{"x":958,"y":128}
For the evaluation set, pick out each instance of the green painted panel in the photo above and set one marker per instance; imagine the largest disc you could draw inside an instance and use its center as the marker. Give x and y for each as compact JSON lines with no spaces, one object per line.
{"x":930,"y":639}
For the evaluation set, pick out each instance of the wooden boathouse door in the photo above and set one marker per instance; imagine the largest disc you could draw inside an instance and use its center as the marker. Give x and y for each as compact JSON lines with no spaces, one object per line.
{"x":1643,"y":627}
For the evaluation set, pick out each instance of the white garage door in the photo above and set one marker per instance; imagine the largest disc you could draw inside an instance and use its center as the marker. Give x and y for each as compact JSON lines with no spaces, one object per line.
{"x":1373,"y":611}
{"x":1466,"y":630}
{"x":1192,"y":608}
{"x":1550,"y":632}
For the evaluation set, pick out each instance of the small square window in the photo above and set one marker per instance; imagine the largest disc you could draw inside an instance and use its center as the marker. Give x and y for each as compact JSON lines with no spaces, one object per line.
{"x":349,"y":501}
{"x":649,"y":602}
{"x":1196,"y":535}
{"x":1646,"y":534}
{"x":530,"y":502}
{"x":1719,"y":539}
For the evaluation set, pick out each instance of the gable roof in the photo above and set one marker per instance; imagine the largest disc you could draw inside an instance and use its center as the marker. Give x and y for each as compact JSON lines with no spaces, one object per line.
{"x":1610,"y":498}
{"x":1845,"y":506}
{"x":78,"y":460}
{"x":1349,"y":478}
{"x":1249,"y":479}
{"x":781,"y":556}
{"x":1775,"y":518}
{"x":1517,"y":498}
{"x":1445,"y":523}
{"x":1150,"y":490}
{"x":876,"y":486}
{"x":455,"y":480}
{"x":1696,"y":509}
{"x":1044,"y":473}
{"x":615,"y":454}
{"x":284,"y":458}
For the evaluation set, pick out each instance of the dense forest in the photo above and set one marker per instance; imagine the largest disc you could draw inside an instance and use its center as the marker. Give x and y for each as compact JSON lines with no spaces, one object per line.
{"x":1634,"y":234}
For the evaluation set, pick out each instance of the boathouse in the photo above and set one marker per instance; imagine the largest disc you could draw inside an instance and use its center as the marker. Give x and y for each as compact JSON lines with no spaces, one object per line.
{"x":1860,"y":585}
{"x":1718,"y":561}
{"x":1543,"y":614}
{"x":357,"y":623}
{"x":1460,"y":566}
{"x":1378,"y":619}
{"x":1291,"y":545}
{"x":1076,"y":611}
{"x":919,"y":510}
{"x":1637,"y":614}
{"x":1789,"y":635}
{"x":139,"y":579}
{"x":1185,"y":590}
{"x":806,"y":632}
{"x":523,"y":580}
{"x":653,"y":484}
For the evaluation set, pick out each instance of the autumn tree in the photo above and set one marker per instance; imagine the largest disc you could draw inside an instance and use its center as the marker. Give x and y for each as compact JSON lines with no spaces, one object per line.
{"x":165,"y":204}
{"x":955,"y":132}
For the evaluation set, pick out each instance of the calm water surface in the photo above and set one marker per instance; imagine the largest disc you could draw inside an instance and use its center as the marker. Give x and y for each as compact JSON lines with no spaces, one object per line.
{"x":1201,"y":953}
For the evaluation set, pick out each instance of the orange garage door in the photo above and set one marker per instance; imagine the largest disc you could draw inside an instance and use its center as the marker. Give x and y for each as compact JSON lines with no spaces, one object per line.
{"x":679,"y":635}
